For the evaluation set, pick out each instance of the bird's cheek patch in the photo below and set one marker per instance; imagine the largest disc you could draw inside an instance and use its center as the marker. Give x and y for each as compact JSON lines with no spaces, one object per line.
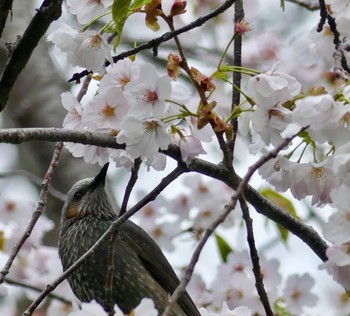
{"x":72,"y":212}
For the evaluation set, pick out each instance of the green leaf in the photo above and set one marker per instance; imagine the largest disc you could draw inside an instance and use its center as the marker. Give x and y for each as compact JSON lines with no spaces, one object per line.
{"x":224,"y":248}
{"x":140,"y":3}
{"x":219,"y":75}
{"x":120,"y":13}
{"x":280,"y":308}
{"x":283,"y":203}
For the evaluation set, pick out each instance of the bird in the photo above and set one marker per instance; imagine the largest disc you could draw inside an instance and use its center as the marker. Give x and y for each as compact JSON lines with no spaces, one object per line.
{"x":140,"y":267}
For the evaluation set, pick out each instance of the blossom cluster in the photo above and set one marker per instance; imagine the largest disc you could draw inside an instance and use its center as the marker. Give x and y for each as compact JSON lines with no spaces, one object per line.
{"x":316,"y":165}
{"x":195,"y":210}
{"x":233,"y":286}
{"x":133,"y":104}
{"x":281,"y":110}
{"x":36,"y":265}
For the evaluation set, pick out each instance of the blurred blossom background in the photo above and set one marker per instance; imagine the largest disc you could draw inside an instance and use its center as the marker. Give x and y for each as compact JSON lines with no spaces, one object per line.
{"x":286,"y":40}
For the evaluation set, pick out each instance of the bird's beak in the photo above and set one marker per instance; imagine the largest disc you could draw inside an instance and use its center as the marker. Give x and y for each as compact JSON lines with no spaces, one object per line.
{"x":99,"y":180}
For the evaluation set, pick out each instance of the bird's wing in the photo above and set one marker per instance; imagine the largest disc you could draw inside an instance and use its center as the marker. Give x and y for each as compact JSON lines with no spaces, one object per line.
{"x":156,"y":263}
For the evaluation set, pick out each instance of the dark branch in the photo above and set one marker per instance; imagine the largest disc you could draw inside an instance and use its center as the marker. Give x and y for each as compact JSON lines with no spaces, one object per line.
{"x":49,"y":11}
{"x":236,"y":75}
{"x":308,"y":6}
{"x":35,"y":180}
{"x":259,"y":284}
{"x":155,"y":43}
{"x":219,"y":172}
{"x":20,"y":135}
{"x":5,"y":8}
{"x":132,"y":181}
{"x":323,"y":15}
{"x":37,"y":289}
{"x":37,"y":213}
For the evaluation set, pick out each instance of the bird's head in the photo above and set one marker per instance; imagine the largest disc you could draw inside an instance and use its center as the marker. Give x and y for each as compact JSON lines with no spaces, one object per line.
{"x":88,"y":197}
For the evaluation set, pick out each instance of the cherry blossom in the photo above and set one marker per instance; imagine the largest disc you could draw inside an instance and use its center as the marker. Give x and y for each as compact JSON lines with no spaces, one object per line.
{"x":161,"y":226}
{"x":145,"y":308}
{"x":206,"y":209}
{"x":226,"y":311}
{"x":143,"y":136}
{"x":88,"y":49}
{"x":313,"y":179}
{"x":119,"y":75}
{"x":190,"y":144}
{"x":122,"y":159}
{"x":340,"y":274}
{"x":199,"y":291}
{"x":87,"y":10}
{"x":15,"y":216}
{"x":278,"y":172}
{"x":41,"y":267}
{"x":268,"y":90}
{"x":73,"y":119}
{"x":90,"y":309}
{"x":148,"y":93}
{"x":91,"y":154}
{"x":337,"y":228}
{"x":297,"y":293}
{"x":106,"y":110}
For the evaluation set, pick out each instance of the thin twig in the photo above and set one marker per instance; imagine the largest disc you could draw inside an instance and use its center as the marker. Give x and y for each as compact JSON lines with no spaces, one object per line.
{"x":165,"y":37}
{"x":132,"y":181}
{"x":336,"y":35}
{"x":37,"y":289}
{"x":111,"y":242}
{"x":236,"y":75}
{"x":49,"y":11}
{"x":38,"y":212}
{"x":220,"y":172}
{"x":308,"y":6}
{"x":184,"y":63}
{"x":259,"y":283}
{"x":323,"y":15}
{"x":208,"y":232}
{"x":84,"y":88}
{"x":34,"y":179}
{"x":201,"y":93}
{"x":110,"y":273}
{"x":113,"y":228}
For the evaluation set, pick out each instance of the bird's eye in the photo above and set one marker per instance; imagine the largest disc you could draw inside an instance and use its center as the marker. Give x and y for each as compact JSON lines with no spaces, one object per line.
{"x":78,"y":195}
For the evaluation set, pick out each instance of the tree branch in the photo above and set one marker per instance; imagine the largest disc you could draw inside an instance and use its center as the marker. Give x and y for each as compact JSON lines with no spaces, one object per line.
{"x":132,"y":181}
{"x":308,"y":6}
{"x":36,"y":215}
{"x":236,"y":75}
{"x":21,"y":135}
{"x":34,"y":179}
{"x":37,"y":289}
{"x":5,"y":8}
{"x":165,"y":37}
{"x":219,"y":172}
{"x":49,"y":11}
{"x":259,"y":283}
